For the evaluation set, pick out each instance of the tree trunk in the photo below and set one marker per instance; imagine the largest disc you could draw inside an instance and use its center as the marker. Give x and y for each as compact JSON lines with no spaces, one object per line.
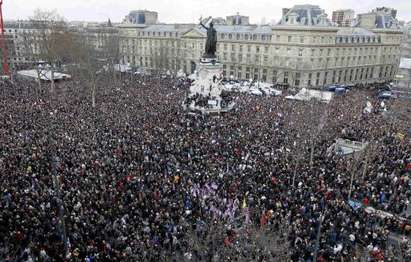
{"x":52,"y":81}
{"x":295,"y":173}
{"x":312,"y":153}
{"x":38,"y":78}
{"x":93,"y":95}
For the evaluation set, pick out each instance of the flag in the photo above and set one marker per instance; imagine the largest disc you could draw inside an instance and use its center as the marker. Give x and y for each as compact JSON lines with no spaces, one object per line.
{"x":400,"y":136}
{"x":244,"y":205}
{"x":354,"y":204}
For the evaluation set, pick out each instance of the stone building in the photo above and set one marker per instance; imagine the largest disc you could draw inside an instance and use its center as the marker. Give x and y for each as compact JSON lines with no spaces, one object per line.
{"x":238,"y":20}
{"x":302,"y":50}
{"x":406,"y":41}
{"x":103,"y":37}
{"x":23,"y":43}
{"x":343,"y":17}
{"x":403,"y":77}
{"x":141,"y":17}
{"x":25,"y":39}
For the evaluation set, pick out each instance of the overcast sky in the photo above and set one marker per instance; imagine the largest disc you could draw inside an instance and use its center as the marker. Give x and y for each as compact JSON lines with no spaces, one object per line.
{"x":182,"y":11}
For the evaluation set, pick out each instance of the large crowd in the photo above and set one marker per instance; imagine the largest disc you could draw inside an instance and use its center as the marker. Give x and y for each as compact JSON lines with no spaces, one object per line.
{"x":139,"y":179}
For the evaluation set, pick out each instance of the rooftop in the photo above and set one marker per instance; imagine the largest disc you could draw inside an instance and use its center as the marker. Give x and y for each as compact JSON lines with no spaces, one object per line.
{"x":305,"y":15}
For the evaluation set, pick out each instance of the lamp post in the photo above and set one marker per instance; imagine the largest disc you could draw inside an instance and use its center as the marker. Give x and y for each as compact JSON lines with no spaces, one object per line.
{"x":317,"y":240}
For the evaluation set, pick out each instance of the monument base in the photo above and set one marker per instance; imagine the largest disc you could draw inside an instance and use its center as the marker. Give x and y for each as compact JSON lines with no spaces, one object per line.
{"x":205,"y":92}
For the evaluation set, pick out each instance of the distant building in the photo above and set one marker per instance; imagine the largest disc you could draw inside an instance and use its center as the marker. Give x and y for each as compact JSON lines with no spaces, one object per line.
{"x":307,"y":15}
{"x":141,"y":17}
{"x":23,"y":42}
{"x":238,"y":20}
{"x":379,"y":18}
{"x":302,"y":50}
{"x":406,"y":41}
{"x":386,"y":10}
{"x":24,"y":39}
{"x":285,"y":11}
{"x":343,"y":17}
{"x":403,"y":77}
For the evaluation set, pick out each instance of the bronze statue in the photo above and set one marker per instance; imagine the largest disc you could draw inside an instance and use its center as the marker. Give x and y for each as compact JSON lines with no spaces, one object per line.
{"x":211,"y":44}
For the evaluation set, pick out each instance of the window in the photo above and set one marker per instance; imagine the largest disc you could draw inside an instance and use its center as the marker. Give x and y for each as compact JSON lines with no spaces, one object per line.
{"x":274,"y":76}
{"x":301,"y":39}
{"x":290,"y":38}
{"x":300,"y":52}
{"x":257,"y":49}
{"x":266,"y":49}
{"x":285,"y":77}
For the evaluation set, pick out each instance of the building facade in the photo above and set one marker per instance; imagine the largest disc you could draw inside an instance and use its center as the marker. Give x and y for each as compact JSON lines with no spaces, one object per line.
{"x":23,"y":42}
{"x":24,"y":39}
{"x":406,"y":41}
{"x":302,"y":50}
{"x":343,"y":17}
{"x":403,"y":77}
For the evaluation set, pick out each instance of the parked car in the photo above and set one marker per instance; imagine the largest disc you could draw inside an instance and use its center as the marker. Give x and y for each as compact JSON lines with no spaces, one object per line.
{"x":385,"y":95}
{"x":331,"y":88}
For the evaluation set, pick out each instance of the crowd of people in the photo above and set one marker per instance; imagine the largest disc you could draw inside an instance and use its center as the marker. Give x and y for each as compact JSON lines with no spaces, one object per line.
{"x":137,"y":178}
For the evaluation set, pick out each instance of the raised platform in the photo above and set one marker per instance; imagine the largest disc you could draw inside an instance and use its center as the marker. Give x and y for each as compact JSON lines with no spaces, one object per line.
{"x":205,"y":91}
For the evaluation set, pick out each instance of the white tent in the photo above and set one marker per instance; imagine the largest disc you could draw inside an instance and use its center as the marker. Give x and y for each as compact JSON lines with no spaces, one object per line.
{"x":346,"y":147}
{"x":45,"y":75}
{"x":122,"y":68}
{"x":308,"y":94}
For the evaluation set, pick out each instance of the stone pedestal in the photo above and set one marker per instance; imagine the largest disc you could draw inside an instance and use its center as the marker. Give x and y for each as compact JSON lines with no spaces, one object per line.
{"x":205,"y":91}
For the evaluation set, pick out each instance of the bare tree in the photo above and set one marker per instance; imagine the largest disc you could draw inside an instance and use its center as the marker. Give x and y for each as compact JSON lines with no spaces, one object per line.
{"x":50,"y":36}
{"x":88,"y":66}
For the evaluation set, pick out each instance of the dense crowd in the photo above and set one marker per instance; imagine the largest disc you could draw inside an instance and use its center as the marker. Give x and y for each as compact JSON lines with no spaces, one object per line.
{"x":139,"y":179}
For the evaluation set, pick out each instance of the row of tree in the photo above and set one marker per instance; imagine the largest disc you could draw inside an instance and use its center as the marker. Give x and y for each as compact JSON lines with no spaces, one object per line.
{"x":55,"y":46}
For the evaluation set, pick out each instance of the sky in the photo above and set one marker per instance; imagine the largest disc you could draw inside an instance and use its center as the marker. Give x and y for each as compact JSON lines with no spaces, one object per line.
{"x":188,"y":11}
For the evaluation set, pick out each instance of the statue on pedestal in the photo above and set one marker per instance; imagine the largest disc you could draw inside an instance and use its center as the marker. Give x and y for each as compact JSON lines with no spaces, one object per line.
{"x":211,"y":43}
